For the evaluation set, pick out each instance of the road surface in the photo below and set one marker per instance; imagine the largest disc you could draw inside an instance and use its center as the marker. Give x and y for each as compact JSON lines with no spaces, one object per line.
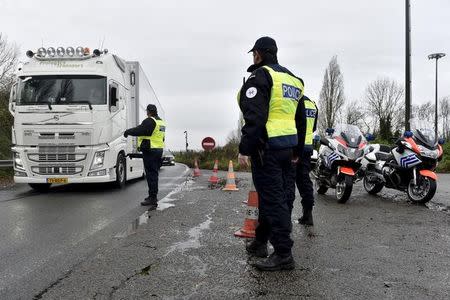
{"x":370,"y":248}
{"x":44,"y":235}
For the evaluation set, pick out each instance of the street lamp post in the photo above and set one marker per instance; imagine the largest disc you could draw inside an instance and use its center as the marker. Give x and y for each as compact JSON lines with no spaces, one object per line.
{"x":186,"y":138}
{"x":407,"y":65}
{"x":436,"y":56}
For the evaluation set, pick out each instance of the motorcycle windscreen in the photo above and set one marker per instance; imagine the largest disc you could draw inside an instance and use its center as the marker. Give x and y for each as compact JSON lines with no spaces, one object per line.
{"x":350,"y":133}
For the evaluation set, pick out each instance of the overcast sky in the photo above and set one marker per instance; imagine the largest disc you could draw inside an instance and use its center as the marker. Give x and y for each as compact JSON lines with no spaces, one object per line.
{"x":195,"y":52}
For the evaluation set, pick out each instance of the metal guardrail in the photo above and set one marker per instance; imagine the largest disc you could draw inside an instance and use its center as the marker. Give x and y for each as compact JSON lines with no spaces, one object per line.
{"x":6,"y":163}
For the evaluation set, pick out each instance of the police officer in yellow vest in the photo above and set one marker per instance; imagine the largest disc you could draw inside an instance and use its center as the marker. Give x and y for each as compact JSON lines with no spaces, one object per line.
{"x":151,"y":136}
{"x":269,"y":100}
{"x":306,"y":124}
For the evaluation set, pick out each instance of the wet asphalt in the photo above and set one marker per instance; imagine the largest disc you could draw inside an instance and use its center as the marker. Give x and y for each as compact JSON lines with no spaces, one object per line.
{"x":43,"y":236}
{"x":373,"y":247}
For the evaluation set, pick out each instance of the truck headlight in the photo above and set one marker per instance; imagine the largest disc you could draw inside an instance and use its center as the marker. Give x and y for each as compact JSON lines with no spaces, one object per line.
{"x":18,"y":164}
{"x":97,"y":162}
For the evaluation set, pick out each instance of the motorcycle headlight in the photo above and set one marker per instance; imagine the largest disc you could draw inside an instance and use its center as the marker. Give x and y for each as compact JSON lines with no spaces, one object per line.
{"x":425,"y":152}
{"x":18,"y":164}
{"x":97,"y":162}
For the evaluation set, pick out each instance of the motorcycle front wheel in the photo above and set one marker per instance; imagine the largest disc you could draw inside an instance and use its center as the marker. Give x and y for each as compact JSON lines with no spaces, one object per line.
{"x":423,"y":192}
{"x":344,"y":188}
{"x":372,"y":187}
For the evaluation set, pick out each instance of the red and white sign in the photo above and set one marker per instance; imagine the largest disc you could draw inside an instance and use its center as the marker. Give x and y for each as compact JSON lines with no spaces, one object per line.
{"x":208,"y":143}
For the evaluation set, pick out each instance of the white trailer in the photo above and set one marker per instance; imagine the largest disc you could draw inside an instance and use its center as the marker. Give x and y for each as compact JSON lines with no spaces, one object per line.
{"x":70,"y":109}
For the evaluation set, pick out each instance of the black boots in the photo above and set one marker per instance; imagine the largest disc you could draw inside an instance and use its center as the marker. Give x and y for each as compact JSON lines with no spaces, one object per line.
{"x":276,"y":262}
{"x":307,"y":218}
{"x":151,"y":202}
{"x":257,"y":249}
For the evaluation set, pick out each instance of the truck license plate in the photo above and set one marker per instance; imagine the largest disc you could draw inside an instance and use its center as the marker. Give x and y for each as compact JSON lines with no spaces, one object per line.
{"x":57,"y":180}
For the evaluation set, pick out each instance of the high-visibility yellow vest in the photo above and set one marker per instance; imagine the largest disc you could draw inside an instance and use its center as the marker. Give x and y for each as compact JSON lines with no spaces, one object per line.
{"x":158,"y":136}
{"x":311,"y":115}
{"x":286,"y":91}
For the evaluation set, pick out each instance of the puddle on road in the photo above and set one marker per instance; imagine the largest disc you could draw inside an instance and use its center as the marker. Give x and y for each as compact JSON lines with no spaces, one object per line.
{"x":194,"y":238}
{"x":166,"y":202}
{"x":133,"y":226}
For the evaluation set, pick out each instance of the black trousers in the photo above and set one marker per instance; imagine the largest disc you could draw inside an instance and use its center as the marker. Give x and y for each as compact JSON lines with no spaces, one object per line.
{"x":274,"y":179}
{"x":304,"y":183}
{"x":152,"y":163}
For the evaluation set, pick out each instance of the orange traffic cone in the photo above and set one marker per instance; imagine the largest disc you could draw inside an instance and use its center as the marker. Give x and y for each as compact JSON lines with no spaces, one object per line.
{"x":214,"y":179}
{"x":197,"y":172}
{"x":252,"y":190}
{"x":251,"y":216}
{"x":231,"y":182}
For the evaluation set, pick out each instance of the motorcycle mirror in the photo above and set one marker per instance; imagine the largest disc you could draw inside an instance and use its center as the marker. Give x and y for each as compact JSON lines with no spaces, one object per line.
{"x":441,"y":141}
{"x":407,"y":134}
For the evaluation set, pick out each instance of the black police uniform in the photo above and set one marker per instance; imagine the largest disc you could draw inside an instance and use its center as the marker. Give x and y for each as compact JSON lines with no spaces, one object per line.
{"x":272,"y":169}
{"x":304,"y":153}
{"x":151,"y":157}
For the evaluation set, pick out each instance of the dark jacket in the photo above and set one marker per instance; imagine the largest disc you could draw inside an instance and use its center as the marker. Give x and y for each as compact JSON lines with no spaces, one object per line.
{"x":300,"y":120}
{"x":145,"y":129}
{"x":255,"y":108}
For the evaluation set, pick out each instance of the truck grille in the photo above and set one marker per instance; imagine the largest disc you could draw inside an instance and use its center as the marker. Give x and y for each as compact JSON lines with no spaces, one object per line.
{"x":56,"y":157}
{"x":58,"y":170}
{"x":56,"y":149}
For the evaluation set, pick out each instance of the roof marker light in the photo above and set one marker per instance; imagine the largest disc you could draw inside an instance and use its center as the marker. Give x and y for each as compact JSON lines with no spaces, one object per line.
{"x":80,"y":51}
{"x":51,"y":51}
{"x":70,"y":51}
{"x":42,"y":52}
{"x":60,"y":51}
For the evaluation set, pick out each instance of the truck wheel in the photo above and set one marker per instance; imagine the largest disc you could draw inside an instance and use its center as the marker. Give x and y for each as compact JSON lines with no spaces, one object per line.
{"x":371,"y":187}
{"x":344,"y":188}
{"x":121,"y":171}
{"x":40,"y":187}
{"x":423,"y":192}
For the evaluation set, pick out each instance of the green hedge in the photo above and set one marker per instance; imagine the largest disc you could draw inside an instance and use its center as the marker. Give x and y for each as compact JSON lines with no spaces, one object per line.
{"x":206,"y":158}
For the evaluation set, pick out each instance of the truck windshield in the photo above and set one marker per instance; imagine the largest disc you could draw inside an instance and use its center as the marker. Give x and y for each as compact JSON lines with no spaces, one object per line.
{"x":61,"y":90}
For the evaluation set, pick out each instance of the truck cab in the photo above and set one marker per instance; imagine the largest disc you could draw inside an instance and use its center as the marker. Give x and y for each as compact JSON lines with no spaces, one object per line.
{"x":70,"y":109}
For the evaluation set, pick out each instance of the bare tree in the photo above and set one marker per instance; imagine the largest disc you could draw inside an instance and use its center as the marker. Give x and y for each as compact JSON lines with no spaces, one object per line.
{"x":332,"y":96}
{"x":355,"y":114}
{"x":8,"y":62}
{"x":384,"y":97}
{"x":444,"y":112}
{"x":425,"y":111}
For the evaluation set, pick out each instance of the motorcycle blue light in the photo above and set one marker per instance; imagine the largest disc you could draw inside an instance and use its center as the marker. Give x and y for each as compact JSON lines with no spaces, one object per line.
{"x":408,"y":134}
{"x":441,"y":141}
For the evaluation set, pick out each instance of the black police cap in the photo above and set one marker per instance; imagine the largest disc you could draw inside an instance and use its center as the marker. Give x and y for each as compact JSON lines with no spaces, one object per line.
{"x":265,"y":43}
{"x":152,"y":108}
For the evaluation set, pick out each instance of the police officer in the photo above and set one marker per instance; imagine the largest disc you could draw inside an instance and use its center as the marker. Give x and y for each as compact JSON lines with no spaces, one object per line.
{"x":151,"y":136}
{"x":306,"y":125}
{"x":268,"y":101}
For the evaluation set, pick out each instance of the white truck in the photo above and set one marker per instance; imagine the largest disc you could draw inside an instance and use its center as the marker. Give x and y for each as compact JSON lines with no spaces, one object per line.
{"x":70,"y":109}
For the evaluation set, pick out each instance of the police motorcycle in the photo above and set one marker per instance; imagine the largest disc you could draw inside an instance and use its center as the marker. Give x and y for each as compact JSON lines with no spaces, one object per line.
{"x":408,"y":166}
{"x":338,"y":163}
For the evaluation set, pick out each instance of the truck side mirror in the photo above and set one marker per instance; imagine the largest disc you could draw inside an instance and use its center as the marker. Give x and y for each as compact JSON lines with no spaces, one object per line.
{"x":13,"y":98}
